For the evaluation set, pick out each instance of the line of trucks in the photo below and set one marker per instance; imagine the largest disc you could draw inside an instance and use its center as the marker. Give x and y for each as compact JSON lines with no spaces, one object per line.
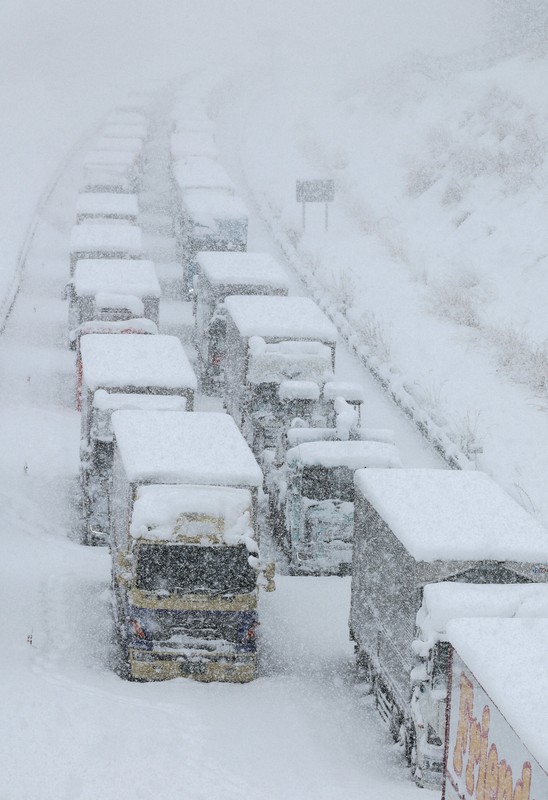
{"x":174,"y":492}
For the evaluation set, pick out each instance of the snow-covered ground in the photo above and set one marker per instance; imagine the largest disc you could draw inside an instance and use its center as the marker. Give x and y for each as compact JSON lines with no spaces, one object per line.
{"x":71,"y":728}
{"x":435,"y":256}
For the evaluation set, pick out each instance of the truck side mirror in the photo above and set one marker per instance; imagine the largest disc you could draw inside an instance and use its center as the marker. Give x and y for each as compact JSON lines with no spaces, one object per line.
{"x":269,"y":572}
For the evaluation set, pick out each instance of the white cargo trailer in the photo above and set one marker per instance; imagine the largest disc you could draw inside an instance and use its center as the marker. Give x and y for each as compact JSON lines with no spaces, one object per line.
{"x":414,"y":527}
{"x":441,"y":603}
{"x":497,"y":737}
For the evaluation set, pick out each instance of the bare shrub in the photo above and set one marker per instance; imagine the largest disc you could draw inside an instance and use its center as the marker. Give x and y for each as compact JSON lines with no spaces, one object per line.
{"x":294,"y":235}
{"x":466,"y":433}
{"x":420,"y":178}
{"x":375,"y":336}
{"x":344,"y":289}
{"x":453,"y":193}
{"x":455,"y":298}
{"x":521,"y":359}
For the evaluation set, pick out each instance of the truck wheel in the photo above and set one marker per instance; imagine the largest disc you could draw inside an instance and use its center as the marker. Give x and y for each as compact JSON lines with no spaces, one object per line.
{"x":364,"y":669}
{"x":122,"y":666}
{"x":395,"y":724}
{"x":411,"y":753}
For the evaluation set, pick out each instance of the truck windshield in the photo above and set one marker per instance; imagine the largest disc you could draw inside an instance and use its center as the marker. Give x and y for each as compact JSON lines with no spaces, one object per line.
{"x":191,"y":568}
{"x":328,"y":483}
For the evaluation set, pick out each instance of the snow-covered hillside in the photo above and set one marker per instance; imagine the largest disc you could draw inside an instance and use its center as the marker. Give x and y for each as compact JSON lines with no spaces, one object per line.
{"x":431,"y":117}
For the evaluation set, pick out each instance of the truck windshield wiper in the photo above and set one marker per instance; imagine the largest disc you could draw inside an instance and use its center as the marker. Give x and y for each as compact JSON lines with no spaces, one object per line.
{"x":192,"y":589}
{"x":231,"y":590}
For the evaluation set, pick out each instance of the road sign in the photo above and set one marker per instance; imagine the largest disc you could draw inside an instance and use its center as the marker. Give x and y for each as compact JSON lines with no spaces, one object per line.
{"x":315,"y":191}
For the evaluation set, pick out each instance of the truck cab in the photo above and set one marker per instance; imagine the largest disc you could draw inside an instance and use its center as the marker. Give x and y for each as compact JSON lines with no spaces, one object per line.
{"x":312,"y":502}
{"x":441,"y":603}
{"x":185,"y":550}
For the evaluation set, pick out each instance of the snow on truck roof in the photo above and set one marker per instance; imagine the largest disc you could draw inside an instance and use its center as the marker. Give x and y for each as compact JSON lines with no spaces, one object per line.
{"x":104,"y":203}
{"x":112,"y":361}
{"x":453,"y":515}
{"x":158,"y":509}
{"x":125,"y":327}
{"x":130,"y":144}
{"x":123,"y":130}
{"x":352,"y":392}
{"x":211,"y":204}
{"x":508,"y":658}
{"x":297,"y":361}
{"x":193,"y":143}
{"x":100,"y":158}
{"x":92,"y":237}
{"x":448,"y":600}
{"x":126,"y":118}
{"x":200,"y":172}
{"x":298,"y":390}
{"x":245,"y":269}
{"x":280,"y":317}
{"x":353,"y":455}
{"x":129,"y":302}
{"x":118,"y":401}
{"x":197,"y":448}
{"x":118,"y":275}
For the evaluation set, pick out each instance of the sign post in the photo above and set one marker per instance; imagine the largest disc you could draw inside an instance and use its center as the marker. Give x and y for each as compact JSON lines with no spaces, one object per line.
{"x":316,"y":191}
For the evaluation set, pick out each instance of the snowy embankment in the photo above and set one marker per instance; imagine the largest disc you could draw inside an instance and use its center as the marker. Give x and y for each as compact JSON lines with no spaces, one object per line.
{"x":434,"y":262}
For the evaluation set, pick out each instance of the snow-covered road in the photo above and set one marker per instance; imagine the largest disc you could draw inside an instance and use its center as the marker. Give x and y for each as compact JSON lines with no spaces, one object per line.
{"x":71,"y":728}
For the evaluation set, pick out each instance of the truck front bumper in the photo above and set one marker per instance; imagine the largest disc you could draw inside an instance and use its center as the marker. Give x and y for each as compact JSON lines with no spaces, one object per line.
{"x":227,"y":668}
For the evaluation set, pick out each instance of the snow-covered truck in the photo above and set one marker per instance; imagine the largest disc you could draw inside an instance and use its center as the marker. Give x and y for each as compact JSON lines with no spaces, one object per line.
{"x":124,"y":130}
{"x":331,"y":418}
{"x":126,"y":117}
{"x":185,"y":144}
{"x":497,"y":738}
{"x":441,"y":603}
{"x":118,"y":144}
{"x":113,"y":289}
{"x":184,"y":543}
{"x":200,"y":172}
{"x":104,"y":240}
{"x":106,"y":206}
{"x":140,"y":325}
{"x":270,"y":340}
{"x":413,"y":527}
{"x":312,"y":502}
{"x":110,"y":171}
{"x":122,"y":372}
{"x":220,"y":275}
{"x":211,"y":220}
